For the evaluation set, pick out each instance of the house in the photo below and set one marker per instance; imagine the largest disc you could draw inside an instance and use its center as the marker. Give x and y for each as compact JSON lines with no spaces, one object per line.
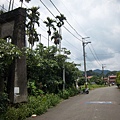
{"x":106,"y":80}
{"x":112,"y":79}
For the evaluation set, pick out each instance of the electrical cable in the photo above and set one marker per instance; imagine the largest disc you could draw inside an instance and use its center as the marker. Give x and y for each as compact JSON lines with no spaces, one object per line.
{"x":66,"y":20}
{"x":94,"y":56}
{"x":55,"y":17}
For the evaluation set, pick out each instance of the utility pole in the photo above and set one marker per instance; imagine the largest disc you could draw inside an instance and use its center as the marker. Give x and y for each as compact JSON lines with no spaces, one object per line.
{"x":103,"y":71}
{"x":64,"y":70}
{"x":63,"y":76}
{"x":84,"y":44}
{"x":9,"y":5}
{"x":11,"y":2}
{"x":60,"y":40}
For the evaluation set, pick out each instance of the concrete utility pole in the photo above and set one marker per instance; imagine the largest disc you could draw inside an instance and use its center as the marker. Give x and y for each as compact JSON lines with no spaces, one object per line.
{"x":103,"y":66}
{"x":84,"y":44}
{"x":60,"y":40}
{"x":64,"y":70}
{"x":63,"y":76}
{"x":11,"y":2}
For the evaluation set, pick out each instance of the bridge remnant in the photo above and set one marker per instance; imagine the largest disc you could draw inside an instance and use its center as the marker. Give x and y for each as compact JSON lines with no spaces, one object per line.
{"x":12,"y":24}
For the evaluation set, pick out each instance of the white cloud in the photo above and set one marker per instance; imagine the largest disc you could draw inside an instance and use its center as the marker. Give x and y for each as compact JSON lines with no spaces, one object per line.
{"x":98,"y":19}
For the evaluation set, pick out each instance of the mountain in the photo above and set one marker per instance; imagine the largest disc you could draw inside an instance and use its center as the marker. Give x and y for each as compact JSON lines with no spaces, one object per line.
{"x":100,"y":71}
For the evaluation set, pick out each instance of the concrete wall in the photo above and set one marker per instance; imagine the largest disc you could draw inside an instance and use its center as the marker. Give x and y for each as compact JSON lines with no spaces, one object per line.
{"x":12,"y":24}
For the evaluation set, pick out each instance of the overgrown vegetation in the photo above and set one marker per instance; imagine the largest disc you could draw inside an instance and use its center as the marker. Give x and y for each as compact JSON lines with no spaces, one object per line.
{"x":118,"y":79}
{"x":44,"y":71}
{"x":35,"y":105}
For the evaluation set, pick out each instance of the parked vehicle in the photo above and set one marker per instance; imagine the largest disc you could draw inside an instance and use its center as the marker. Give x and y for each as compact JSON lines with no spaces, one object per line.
{"x":86,"y":91}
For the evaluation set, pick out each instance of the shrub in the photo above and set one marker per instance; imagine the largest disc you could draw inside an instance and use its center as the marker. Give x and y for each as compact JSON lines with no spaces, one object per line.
{"x":53,"y":99}
{"x":73,"y":91}
{"x":64,"y":94}
{"x":11,"y":114}
{"x":39,"y":105}
{"x":3,"y":103}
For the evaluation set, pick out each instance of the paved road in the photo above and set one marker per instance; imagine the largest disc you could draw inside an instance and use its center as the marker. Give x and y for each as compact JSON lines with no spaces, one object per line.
{"x":100,"y":104}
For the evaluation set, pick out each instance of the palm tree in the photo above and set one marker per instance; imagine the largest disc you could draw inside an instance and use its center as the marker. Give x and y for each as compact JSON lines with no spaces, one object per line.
{"x":49,"y":24}
{"x":56,"y":36}
{"x":33,"y":17}
{"x":61,"y":19}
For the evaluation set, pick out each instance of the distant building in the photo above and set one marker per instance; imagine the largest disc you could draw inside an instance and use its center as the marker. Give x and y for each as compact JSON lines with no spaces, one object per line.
{"x":106,"y":80}
{"x":89,"y":77}
{"x":112,"y":79}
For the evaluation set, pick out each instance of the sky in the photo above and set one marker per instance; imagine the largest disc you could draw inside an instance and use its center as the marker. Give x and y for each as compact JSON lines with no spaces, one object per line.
{"x":97,"y":19}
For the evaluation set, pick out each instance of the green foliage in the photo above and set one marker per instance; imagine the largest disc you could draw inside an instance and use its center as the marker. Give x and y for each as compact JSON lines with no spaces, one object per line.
{"x":46,"y":68}
{"x":73,"y":91}
{"x":72,"y":74}
{"x":19,"y":113}
{"x":99,"y":82}
{"x":81,"y":81}
{"x":3,"y":102}
{"x":36,"y":105}
{"x":64,"y":94}
{"x":118,"y":79}
{"x":32,"y":89}
{"x":95,"y":86}
{"x":2,"y":11}
{"x":32,"y":19}
{"x":8,"y":52}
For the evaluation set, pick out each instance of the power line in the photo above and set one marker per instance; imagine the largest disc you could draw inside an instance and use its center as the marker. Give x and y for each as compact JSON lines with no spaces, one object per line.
{"x":73,"y":17}
{"x":63,"y":26}
{"x":72,"y":34}
{"x":73,"y":29}
{"x":66,"y":20}
{"x":55,"y":6}
{"x":47,"y":7}
{"x":94,"y":56}
{"x":95,"y":53}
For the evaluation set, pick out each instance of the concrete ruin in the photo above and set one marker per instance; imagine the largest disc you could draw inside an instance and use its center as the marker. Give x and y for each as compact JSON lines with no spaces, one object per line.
{"x":12,"y":24}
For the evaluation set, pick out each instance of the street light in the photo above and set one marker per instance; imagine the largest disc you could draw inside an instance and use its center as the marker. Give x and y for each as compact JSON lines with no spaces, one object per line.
{"x":84,"y":43}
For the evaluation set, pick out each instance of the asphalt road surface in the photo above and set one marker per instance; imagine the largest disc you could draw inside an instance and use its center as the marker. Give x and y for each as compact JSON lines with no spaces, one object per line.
{"x":99,"y":104}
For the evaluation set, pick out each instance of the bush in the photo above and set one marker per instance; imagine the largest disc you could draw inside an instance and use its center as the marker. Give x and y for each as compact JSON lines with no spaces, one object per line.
{"x":53,"y":99}
{"x":37,"y":105}
{"x":11,"y":114}
{"x":73,"y":91}
{"x":3,"y":103}
{"x":64,"y":94}
{"x":19,"y":113}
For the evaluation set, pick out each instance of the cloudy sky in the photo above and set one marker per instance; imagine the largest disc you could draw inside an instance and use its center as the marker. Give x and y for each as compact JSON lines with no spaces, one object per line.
{"x":97,"y":19}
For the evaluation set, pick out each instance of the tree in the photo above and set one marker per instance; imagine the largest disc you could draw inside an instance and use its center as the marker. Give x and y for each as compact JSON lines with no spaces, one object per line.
{"x":33,"y":18}
{"x":41,"y":71}
{"x":72,"y":74}
{"x":8,"y":52}
{"x":61,"y":19}
{"x":49,"y":24}
{"x":118,"y":79}
{"x":60,"y":23}
{"x":56,"y":36}
{"x":1,"y":11}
